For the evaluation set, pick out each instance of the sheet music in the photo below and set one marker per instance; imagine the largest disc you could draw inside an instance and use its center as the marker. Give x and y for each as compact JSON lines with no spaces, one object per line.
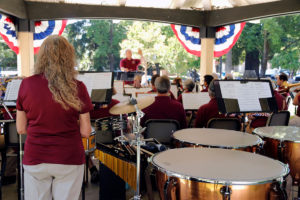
{"x":92,"y":81}
{"x":192,"y":101}
{"x":146,"y":94}
{"x":12,"y":90}
{"x":118,"y":85}
{"x":121,"y":97}
{"x":248,"y":94}
{"x":263,"y":89}
{"x":174,"y":90}
{"x":228,"y":89}
{"x":133,"y":91}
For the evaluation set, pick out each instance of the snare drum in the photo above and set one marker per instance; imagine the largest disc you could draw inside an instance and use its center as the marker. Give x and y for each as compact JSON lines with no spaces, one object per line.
{"x":89,"y":144}
{"x":216,"y":138}
{"x":210,"y":174}
{"x":283,"y":143}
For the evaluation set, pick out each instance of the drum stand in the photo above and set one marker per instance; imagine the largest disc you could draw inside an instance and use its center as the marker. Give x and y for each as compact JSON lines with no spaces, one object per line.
{"x":137,"y":142}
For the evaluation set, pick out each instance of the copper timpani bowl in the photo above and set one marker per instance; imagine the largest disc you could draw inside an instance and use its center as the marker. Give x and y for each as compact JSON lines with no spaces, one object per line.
{"x":283,"y":143}
{"x":210,"y":174}
{"x":216,"y":138}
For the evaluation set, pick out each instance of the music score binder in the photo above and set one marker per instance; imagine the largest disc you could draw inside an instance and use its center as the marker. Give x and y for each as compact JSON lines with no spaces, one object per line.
{"x":245,"y":96}
{"x":99,"y":85}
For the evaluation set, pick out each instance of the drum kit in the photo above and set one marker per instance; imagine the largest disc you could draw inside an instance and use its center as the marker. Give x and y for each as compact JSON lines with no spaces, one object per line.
{"x":208,"y":168}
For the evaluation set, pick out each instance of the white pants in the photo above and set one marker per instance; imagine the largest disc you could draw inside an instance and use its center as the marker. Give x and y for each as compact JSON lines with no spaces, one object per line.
{"x":53,"y":181}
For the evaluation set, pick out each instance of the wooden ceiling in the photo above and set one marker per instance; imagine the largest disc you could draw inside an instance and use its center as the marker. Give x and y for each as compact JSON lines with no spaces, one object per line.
{"x":210,"y":13}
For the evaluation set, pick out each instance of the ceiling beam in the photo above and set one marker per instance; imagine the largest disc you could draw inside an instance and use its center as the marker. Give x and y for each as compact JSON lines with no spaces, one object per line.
{"x":245,"y":13}
{"x":46,"y":11}
{"x":13,"y":7}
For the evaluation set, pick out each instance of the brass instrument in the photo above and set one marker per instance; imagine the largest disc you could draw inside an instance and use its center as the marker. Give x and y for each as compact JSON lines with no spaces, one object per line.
{"x":295,"y":87}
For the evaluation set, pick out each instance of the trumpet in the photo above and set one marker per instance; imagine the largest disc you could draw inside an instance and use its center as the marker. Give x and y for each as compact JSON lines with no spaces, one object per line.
{"x":294,"y":87}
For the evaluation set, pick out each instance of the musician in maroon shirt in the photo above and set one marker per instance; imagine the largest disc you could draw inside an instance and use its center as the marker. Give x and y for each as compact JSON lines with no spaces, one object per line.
{"x":209,"y":110}
{"x":262,"y":118}
{"x":153,"y":78}
{"x":164,"y":107}
{"x":188,"y":88}
{"x":130,"y":64}
{"x":296,"y":102}
{"x":207,"y":80}
{"x":53,"y":110}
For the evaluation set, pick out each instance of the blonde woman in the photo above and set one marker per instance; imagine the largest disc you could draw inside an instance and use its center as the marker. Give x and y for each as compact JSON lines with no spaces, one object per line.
{"x":49,"y":106}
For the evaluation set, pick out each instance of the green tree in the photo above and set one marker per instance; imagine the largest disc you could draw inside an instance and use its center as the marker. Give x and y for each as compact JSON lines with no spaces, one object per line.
{"x":8,"y":58}
{"x":283,"y":34}
{"x":97,"y":43}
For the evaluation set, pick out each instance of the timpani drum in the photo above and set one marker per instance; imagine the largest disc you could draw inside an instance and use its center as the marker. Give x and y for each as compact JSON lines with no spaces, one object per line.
{"x":211,"y":173}
{"x":216,"y":138}
{"x":283,"y":143}
{"x":89,"y":144}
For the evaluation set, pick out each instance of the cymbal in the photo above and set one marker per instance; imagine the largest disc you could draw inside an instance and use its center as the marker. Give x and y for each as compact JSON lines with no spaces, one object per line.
{"x":125,"y":107}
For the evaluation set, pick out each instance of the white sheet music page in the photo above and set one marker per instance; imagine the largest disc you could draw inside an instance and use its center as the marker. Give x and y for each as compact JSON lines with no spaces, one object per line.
{"x":247,"y":97}
{"x":12,"y":90}
{"x":96,"y":80}
{"x":146,"y":94}
{"x":263,"y":89}
{"x":192,"y":101}
{"x":228,"y":89}
{"x":174,"y":90}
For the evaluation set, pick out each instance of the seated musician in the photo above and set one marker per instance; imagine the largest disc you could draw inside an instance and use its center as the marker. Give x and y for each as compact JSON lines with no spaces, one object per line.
{"x":130,"y":64}
{"x":154,"y":77}
{"x":188,"y":88}
{"x":260,"y":119}
{"x":209,"y":110}
{"x":178,"y":82}
{"x":282,"y":84}
{"x":207,"y":80}
{"x":295,"y":121}
{"x":164,"y":107}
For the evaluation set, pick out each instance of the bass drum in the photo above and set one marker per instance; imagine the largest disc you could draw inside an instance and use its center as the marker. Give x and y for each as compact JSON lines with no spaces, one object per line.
{"x":283,"y":143}
{"x":217,"y":138}
{"x":210,"y":174}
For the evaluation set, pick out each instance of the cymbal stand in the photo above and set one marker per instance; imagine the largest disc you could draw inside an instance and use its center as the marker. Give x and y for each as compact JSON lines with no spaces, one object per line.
{"x":122,"y":138}
{"x":137,"y":142}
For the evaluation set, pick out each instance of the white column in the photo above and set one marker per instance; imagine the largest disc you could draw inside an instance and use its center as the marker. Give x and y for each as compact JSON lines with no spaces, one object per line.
{"x":26,"y":54}
{"x":207,"y":57}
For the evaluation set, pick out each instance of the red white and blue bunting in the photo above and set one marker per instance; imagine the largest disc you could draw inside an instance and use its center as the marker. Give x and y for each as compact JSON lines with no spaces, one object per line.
{"x":226,"y":37}
{"x":41,"y":31}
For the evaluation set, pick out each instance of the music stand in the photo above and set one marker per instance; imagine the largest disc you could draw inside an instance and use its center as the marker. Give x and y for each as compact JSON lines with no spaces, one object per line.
{"x":11,"y":95}
{"x":245,"y":96}
{"x":99,"y":85}
{"x":128,"y":76}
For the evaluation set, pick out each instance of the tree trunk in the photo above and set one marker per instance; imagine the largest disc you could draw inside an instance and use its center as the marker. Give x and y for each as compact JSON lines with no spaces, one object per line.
{"x":228,"y":63}
{"x":265,"y":54}
{"x":252,"y":64}
{"x":111,"y":55}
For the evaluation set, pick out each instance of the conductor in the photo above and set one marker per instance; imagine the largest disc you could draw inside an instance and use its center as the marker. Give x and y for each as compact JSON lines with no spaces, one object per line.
{"x":130,"y":64}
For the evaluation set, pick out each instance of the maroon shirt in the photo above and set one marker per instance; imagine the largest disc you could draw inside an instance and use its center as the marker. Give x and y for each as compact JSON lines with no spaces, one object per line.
{"x":104,"y":111}
{"x":165,"y":108}
{"x":131,"y":65}
{"x":207,"y":112}
{"x":53,"y":133}
{"x":204,"y":90}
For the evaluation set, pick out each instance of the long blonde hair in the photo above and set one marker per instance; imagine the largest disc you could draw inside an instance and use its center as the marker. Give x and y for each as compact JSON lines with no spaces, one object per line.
{"x":56,"y":61}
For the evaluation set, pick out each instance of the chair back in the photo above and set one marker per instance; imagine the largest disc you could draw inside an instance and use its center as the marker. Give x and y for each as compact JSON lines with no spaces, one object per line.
{"x":281,"y":118}
{"x":161,"y":129}
{"x":224,"y":123}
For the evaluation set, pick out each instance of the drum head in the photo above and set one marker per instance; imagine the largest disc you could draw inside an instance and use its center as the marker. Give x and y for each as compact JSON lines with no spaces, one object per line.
{"x":216,"y":138}
{"x":282,"y":133}
{"x":221,"y":166}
